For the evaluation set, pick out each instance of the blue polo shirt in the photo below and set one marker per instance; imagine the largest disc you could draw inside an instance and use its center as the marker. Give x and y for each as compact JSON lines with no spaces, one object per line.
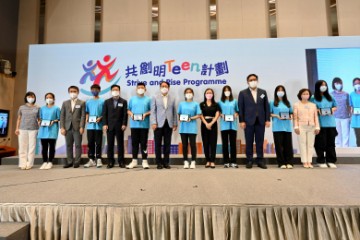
{"x":94,"y":107}
{"x":49,"y":113}
{"x":192,"y":109}
{"x":139,"y":105}
{"x":279,"y":125}
{"x":329,"y":120}
{"x":228,"y":108}
{"x":355,"y":103}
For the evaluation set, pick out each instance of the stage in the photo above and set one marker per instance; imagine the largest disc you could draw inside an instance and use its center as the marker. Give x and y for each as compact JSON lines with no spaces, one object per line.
{"x":183,"y":203}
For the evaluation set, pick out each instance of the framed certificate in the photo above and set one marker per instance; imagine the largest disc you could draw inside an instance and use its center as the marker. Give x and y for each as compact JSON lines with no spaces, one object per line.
{"x":92,"y":119}
{"x":45,"y":123}
{"x":356,"y":111}
{"x":184,"y":117}
{"x":229,"y":118}
{"x":138,"y":117}
{"x":325,"y":111}
{"x":284,"y":115}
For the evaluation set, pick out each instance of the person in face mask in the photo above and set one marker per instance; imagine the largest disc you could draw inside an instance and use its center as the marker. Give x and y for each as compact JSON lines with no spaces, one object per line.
{"x":93,"y":109}
{"x":27,"y":126}
{"x":115,"y":121}
{"x":49,"y":129}
{"x":228,"y":126}
{"x":188,"y":112}
{"x":355,"y":109}
{"x":163,"y":120}
{"x":281,"y":113}
{"x":209,"y":129}
{"x":72,"y":125}
{"x":342,"y":114}
{"x":325,"y":140}
{"x":139,"y":112}
{"x":254,"y":117}
{"x":306,"y":126}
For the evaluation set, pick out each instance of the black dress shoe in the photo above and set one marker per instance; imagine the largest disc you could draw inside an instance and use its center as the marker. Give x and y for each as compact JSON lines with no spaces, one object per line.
{"x":122,"y":165}
{"x":249,"y":164}
{"x":167,"y":166}
{"x":68,"y":165}
{"x":159,"y":166}
{"x":110,"y":165}
{"x":76,"y":165}
{"x":262,"y":165}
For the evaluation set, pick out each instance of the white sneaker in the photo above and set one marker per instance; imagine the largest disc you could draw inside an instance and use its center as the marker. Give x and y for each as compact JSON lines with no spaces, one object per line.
{"x":49,"y":166}
{"x":90,"y":163}
{"x":332,"y":165}
{"x":322,"y":165}
{"x":192,"y":165}
{"x":43,"y":166}
{"x":283,"y":166}
{"x":145,"y":164}
{"x":186,"y":165}
{"x":132,"y":165}
{"x":289,"y":166}
{"x":98,"y":163}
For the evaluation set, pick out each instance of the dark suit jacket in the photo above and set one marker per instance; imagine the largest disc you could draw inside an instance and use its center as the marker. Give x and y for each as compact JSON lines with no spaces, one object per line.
{"x":75,"y":118}
{"x":249,"y":110}
{"x":115,"y":117}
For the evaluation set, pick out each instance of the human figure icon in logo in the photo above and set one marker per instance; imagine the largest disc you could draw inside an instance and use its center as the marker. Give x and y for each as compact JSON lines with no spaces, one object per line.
{"x":105,"y":70}
{"x":89,"y":71}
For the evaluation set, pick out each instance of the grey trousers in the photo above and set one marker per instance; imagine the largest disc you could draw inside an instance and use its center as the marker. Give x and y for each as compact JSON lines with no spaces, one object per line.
{"x":71,"y":137}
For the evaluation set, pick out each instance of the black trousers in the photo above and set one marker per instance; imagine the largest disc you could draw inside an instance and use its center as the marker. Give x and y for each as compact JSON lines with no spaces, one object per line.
{"x":94,"y":143}
{"x":257,"y":130}
{"x":226,"y":137}
{"x":283,"y":148}
{"x":119,"y":134}
{"x":139,"y":136}
{"x":325,"y":143}
{"x":48,"y":147}
{"x":165,"y":133}
{"x":357,"y":134}
{"x":209,"y":138}
{"x":184,"y":139}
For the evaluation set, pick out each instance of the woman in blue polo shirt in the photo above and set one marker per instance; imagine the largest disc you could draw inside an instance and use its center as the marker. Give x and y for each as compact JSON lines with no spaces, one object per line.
{"x":355,"y":109}
{"x":228,"y":126}
{"x":188,"y":112}
{"x":281,"y":113}
{"x":325,"y":140}
{"x":49,"y":129}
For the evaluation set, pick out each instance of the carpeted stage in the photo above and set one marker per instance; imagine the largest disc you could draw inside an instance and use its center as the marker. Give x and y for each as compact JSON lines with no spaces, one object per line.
{"x":183,"y":203}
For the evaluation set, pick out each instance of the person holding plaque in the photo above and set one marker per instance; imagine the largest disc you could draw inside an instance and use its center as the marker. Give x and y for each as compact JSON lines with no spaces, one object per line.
{"x":49,"y":129}
{"x":281,"y":113}
{"x":325,"y":140}
{"x":306,"y":126}
{"x":94,"y":108}
{"x":139,"y":112}
{"x":355,"y":109}
{"x":228,"y":126}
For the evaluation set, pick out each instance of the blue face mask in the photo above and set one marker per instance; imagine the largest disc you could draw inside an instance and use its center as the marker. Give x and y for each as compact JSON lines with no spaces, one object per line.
{"x":95,"y":93}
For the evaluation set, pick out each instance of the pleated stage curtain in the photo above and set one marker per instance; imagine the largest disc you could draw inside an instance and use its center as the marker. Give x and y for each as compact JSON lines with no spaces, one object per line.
{"x":74,"y":221}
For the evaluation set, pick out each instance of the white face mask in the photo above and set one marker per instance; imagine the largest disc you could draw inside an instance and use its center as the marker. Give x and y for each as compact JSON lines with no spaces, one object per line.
{"x":253,"y":84}
{"x":49,"y":101}
{"x":30,"y":99}
{"x":323,"y":88}
{"x":73,"y":95}
{"x":115,"y":93}
{"x":357,"y":87}
{"x":305,"y":97}
{"x":164,"y":90}
{"x":140,"y":91}
{"x":227,"y":93}
{"x":338,"y":87}
{"x":280,"y":94}
{"x":188,"y":95}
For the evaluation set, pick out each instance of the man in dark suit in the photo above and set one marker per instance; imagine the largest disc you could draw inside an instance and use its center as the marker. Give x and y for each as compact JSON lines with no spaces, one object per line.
{"x":115,"y":122}
{"x":254,"y":116}
{"x":72,"y":124}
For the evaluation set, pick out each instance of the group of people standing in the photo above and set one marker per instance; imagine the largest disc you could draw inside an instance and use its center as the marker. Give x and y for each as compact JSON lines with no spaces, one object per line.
{"x":313,"y":119}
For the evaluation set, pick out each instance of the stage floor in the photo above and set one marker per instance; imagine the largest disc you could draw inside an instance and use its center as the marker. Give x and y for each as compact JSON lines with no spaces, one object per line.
{"x":199,"y":186}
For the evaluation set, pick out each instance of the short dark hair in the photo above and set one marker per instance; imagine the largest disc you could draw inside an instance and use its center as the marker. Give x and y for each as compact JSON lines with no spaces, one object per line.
{"x":115,"y":86}
{"x":29,"y":94}
{"x":141,"y":84}
{"x":189,"y":89}
{"x":73,"y":87}
{"x":96,"y":86}
{"x":252,"y":75}
{"x":302,"y":91}
{"x":167,"y":83}
{"x":356,"y":79}
{"x":49,"y":93}
{"x":336,"y":80}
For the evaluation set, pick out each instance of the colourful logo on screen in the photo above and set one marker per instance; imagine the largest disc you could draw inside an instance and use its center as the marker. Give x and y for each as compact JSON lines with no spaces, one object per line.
{"x":99,"y":73}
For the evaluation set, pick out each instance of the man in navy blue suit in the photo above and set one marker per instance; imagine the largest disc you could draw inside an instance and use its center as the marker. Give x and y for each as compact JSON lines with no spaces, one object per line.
{"x":254,"y":116}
